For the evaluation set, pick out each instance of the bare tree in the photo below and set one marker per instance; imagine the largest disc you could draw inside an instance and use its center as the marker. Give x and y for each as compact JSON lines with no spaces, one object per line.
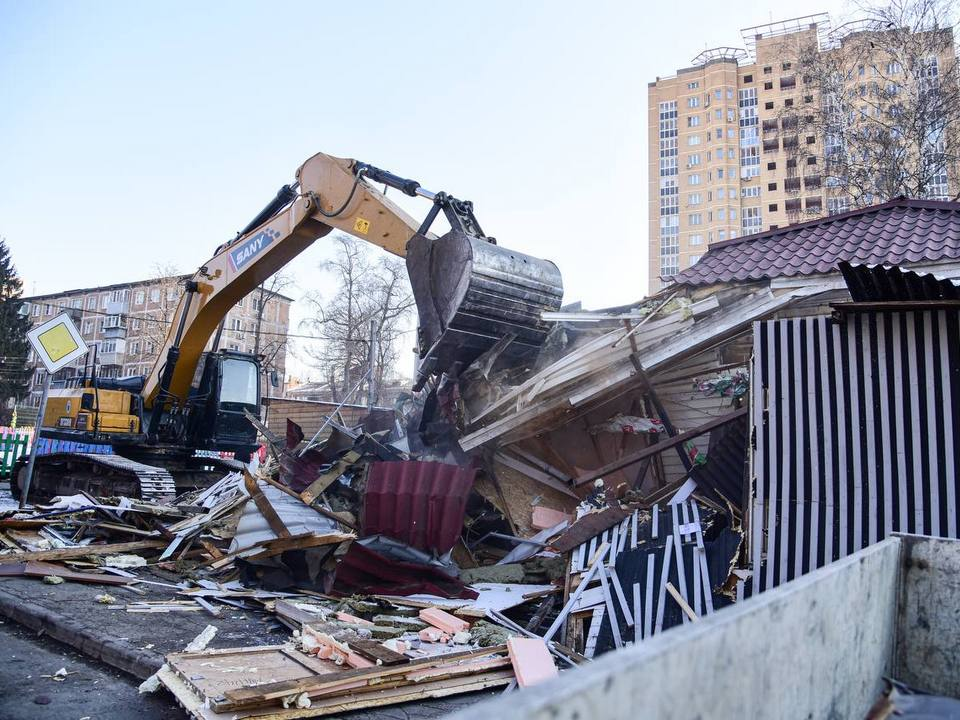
{"x":162,"y":296}
{"x":365,"y":289}
{"x":880,"y":115}
{"x":269,"y":346}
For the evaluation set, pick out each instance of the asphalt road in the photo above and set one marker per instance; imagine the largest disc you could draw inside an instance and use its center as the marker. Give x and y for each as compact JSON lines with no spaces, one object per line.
{"x":92,"y":690}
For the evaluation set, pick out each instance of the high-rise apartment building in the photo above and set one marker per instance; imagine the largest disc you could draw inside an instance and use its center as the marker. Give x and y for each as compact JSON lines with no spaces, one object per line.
{"x":125,"y":326}
{"x":729,"y":153}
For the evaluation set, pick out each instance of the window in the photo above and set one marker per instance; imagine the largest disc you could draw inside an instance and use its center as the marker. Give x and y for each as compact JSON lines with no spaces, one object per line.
{"x":731,"y":154}
{"x":693,"y":159}
{"x":788,"y":83}
{"x":136,"y":323}
{"x":135,"y":347}
{"x":718,"y":114}
{"x":693,"y":85}
{"x":92,"y":302}
{"x":100,"y":326}
{"x":811,"y":139}
{"x":48,"y":309}
{"x":753,"y":191}
{"x":720,"y":193}
{"x":814,"y":204}
{"x":767,"y":70}
{"x":236,"y":325}
{"x":78,"y":304}
{"x":87,"y":327}
{"x":718,"y":94}
{"x":693,"y":140}
{"x":749,"y":137}
{"x":733,"y":213}
{"x":256,"y":304}
{"x":694,"y":258}
{"x":771,"y":186}
{"x":731,"y":133}
{"x":752,"y":221}
{"x":36,"y":310}
{"x":786,"y":66}
{"x":729,"y":94}
{"x":768,"y":86}
{"x":694,"y":199}
{"x":719,"y":173}
{"x":104,"y":299}
{"x":721,"y":214}
{"x":721,"y":235}
{"x":791,"y":163}
{"x":719,"y":134}
{"x":240,"y":303}
{"x":139,"y":297}
{"x":693,"y":121}
{"x":860,"y":70}
{"x":748,"y":79}
{"x":771,"y":166}
{"x":768,"y":105}
{"x":837,"y":205}
{"x":695,"y":219}
{"x":693,"y":179}
{"x":808,"y":98}
{"x":811,"y":160}
{"x":731,"y":115}
{"x":696,"y":239}
{"x":239,"y":382}
{"x":171,"y":294}
{"x":772,"y":207}
{"x":693,"y":102}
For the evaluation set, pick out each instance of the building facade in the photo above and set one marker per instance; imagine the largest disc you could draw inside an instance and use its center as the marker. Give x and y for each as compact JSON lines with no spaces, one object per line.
{"x":125,"y":326}
{"x":729,"y":151}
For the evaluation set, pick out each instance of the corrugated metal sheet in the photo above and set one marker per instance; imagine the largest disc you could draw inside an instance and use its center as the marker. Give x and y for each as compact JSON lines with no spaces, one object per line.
{"x":882,"y":284}
{"x":857,"y":431}
{"x":420,"y":503}
{"x":366,"y":572}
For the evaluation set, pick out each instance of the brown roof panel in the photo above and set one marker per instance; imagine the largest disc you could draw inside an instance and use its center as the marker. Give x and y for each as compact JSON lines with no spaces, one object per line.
{"x":893,"y":233}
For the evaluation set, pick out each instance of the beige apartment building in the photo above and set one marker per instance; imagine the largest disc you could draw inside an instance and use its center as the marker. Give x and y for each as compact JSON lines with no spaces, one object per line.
{"x":727,"y":157}
{"x":126,"y":324}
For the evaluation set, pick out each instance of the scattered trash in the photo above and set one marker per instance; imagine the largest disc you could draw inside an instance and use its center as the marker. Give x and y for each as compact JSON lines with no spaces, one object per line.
{"x":52,"y":579}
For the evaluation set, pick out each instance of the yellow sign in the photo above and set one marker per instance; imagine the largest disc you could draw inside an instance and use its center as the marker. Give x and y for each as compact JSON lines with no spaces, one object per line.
{"x":361,"y":226}
{"x":58,"y":342}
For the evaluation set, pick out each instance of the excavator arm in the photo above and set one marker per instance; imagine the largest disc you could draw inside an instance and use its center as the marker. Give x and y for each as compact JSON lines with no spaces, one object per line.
{"x":469,"y":292}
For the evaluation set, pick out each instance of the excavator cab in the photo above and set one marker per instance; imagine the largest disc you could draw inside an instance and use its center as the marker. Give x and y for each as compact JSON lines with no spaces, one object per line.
{"x":226,"y":386}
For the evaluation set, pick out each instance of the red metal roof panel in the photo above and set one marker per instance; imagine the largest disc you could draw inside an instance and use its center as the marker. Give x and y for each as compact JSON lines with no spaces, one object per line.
{"x":419,"y":503}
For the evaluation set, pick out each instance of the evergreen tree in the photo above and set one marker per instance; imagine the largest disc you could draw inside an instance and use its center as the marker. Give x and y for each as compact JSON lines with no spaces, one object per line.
{"x":14,"y":346}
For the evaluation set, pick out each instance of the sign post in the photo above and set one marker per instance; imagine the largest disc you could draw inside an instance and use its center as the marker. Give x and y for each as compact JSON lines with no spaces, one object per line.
{"x":57,"y":343}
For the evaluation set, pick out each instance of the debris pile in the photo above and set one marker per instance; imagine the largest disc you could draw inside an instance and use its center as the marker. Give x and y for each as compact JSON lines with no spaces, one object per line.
{"x":489,"y":533}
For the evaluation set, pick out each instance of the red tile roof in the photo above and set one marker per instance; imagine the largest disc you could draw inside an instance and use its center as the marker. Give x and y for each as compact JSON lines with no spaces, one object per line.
{"x":893,"y":233}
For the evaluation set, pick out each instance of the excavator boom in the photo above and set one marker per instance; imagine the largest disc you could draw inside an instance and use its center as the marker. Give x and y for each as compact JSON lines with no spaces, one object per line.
{"x":470,"y":293}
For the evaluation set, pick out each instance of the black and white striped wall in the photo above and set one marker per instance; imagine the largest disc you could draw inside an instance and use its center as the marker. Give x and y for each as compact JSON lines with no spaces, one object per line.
{"x":856,"y":429}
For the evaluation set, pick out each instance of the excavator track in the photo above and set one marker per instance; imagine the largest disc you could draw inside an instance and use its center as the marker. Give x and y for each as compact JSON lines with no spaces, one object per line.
{"x":99,"y":475}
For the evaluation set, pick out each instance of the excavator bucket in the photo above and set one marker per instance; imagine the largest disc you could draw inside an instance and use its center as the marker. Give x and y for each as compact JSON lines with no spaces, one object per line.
{"x":471,"y":293}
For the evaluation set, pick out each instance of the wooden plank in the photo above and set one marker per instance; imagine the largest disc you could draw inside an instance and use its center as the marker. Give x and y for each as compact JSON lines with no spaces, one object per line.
{"x":687,"y":610}
{"x":41,"y":569}
{"x":264,"y":506}
{"x":267,"y":693}
{"x":78,"y":552}
{"x":659,"y":447}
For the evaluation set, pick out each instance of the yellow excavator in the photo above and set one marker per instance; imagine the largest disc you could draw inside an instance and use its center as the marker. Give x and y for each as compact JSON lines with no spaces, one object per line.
{"x":140,"y":436}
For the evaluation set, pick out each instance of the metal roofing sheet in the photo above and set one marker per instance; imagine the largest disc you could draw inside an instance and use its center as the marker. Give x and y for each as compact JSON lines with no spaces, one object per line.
{"x":882,"y":284}
{"x":420,"y":503}
{"x":896,"y":232}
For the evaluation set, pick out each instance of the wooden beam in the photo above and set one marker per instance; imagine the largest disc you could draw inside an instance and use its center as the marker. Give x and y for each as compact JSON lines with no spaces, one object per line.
{"x":659,"y":447}
{"x":84,"y":551}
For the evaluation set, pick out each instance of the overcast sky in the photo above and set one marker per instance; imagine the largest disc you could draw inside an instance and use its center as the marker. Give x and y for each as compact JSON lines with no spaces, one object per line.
{"x":135,"y":134}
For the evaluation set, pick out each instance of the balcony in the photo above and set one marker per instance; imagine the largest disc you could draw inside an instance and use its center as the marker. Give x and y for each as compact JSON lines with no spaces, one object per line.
{"x":812,"y":182}
{"x":110,"y":359}
{"x":118,"y":332}
{"x":117,"y":307}
{"x":771,"y":145}
{"x":791,"y":184}
{"x":770,"y":125}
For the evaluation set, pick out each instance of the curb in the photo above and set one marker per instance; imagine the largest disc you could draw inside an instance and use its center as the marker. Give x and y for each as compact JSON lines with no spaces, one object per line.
{"x":86,"y":639}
